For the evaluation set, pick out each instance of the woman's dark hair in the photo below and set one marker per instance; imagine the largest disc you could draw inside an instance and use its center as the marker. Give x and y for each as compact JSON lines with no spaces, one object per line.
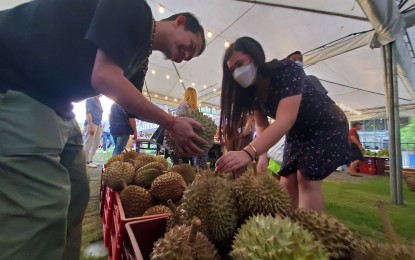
{"x":356,"y":123}
{"x":238,"y":102}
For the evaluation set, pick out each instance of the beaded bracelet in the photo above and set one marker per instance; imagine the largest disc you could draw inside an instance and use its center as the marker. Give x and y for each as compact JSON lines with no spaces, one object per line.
{"x":252,"y":158}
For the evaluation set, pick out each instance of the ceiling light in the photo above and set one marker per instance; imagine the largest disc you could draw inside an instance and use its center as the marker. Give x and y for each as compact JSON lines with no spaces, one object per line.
{"x":161,"y":9}
{"x":204,"y":86}
{"x":227,"y":44}
{"x":167,"y":76}
{"x":153,"y":72}
{"x":209,"y":34}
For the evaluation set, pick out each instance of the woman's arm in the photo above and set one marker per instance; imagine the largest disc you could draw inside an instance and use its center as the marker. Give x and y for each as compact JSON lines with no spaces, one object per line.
{"x":286,"y":116}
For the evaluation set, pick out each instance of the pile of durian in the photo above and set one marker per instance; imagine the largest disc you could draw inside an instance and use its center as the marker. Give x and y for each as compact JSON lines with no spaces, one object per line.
{"x":216,"y":217}
{"x":146,"y":183}
{"x":410,"y":180}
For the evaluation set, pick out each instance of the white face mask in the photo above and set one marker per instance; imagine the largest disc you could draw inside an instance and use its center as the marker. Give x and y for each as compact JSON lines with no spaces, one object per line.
{"x":245,"y":75}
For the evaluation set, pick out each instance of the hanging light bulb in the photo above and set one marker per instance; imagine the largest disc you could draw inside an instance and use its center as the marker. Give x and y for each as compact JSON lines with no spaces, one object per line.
{"x":214,"y":90}
{"x":181,"y":81}
{"x":175,"y":100}
{"x":204,"y":86}
{"x":227,"y":44}
{"x":193,"y":84}
{"x":167,"y":76}
{"x":209,"y":34}
{"x":153,"y":72}
{"x":161,"y":9}
{"x":166,"y":97}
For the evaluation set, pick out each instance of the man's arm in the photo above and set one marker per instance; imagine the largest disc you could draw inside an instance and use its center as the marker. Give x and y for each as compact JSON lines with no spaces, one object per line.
{"x":108,"y":79}
{"x":134,"y":127}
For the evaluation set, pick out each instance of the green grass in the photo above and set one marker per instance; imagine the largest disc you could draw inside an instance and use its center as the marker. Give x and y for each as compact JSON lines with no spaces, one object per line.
{"x":354,"y":205}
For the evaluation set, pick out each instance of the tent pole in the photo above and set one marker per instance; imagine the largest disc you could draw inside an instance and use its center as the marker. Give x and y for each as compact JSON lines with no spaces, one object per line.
{"x":392,"y":107}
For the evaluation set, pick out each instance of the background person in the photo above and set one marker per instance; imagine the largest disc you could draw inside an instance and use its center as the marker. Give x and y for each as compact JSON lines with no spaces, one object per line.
{"x":356,"y":147}
{"x":93,"y":128}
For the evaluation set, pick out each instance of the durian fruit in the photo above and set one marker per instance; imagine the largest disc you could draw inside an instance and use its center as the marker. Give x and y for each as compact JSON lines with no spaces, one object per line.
{"x":117,"y":173}
{"x":135,"y":201}
{"x":150,"y":165}
{"x":146,"y":175}
{"x":369,"y":249}
{"x":168,"y":186}
{"x":116,"y":158}
{"x":177,"y":216}
{"x":130,"y":157}
{"x":335,"y":236}
{"x":260,"y":195}
{"x":156,"y":210}
{"x":143,"y":159}
{"x":187,"y":171}
{"x":163,"y":161}
{"x":410,"y":180}
{"x":268,"y":238}
{"x":184,"y":243}
{"x":208,"y":134}
{"x":209,"y":198}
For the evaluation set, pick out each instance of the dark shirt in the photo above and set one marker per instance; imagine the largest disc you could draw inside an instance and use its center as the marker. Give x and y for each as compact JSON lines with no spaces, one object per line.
{"x":93,"y":106}
{"x":317,"y":110}
{"x":48,"y":47}
{"x":120,"y":121}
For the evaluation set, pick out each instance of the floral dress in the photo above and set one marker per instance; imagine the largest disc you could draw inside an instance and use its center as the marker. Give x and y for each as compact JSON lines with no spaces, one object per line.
{"x":318,"y":141}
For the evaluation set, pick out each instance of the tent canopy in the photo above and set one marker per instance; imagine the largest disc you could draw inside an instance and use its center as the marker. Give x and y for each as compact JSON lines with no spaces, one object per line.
{"x":354,"y":79}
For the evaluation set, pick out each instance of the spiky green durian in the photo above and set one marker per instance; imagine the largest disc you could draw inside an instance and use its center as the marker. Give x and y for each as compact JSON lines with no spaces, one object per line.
{"x":369,"y":249}
{"x":117,"y":173}
{"x":168,"y":186}
{"x":260,"y":195}
{"x":184,"y":243}
{"x":156,"y":210}
{"x":209,"y":198}
{"x":268,"y":238}
{"x":147,"y":174}
{"x":335,"y":236}
{"x":135,"y":201}
{"x":187,"y":171}
{"x":207,"y":123}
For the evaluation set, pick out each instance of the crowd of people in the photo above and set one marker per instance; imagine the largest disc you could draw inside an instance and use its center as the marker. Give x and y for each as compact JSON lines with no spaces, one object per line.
{"x":82,"y":50}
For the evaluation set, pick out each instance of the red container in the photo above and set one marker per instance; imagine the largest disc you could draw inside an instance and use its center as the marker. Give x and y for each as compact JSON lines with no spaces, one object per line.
{"x":142,"y":234}
{"x":367,"y":168}
{"x":370,"y":160}
{"x":382,"y":163}
{"x":118,"y":227}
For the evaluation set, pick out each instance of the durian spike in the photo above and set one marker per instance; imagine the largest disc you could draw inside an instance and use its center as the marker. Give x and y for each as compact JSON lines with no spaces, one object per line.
{"x":193,"y":230}
{"x":171,"y":205}
{"x":254,"y":168}
{"x":387,"y":226}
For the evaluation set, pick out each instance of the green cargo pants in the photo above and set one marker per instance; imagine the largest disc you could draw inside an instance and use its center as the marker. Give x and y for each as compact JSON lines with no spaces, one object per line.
{"x":43,"y":184}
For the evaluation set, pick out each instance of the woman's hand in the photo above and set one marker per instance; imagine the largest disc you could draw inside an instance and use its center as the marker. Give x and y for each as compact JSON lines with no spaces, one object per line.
{"x":185,"y":138}
{"x":262,"y":164}
{"x":232,"y":161}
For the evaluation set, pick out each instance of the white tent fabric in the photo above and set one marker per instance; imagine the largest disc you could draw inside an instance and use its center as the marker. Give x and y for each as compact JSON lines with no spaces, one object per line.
{"x":354,"y":79}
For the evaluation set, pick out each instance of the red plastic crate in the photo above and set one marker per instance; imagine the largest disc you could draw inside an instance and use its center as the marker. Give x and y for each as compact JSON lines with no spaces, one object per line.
{"x":367,"y":168}
{"x":106,"y":225}
{"x":118,"y":226}
{"x":142,"y":234}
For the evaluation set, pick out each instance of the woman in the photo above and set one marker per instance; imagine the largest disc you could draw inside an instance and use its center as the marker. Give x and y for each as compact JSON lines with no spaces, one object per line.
{"x":315,"y":128}
{"x":190,"y":102}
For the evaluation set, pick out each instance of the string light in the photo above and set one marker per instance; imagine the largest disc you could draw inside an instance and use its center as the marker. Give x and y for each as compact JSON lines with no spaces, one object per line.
{"x":214,"y":90}
{"x":209,"y":34}
{"x":153,"y":72}
{"x":227,"y":44}
{"x":161,"y":9}
{"x":166,"y":97}
{"x":167,"y":76}
{"x":193,"y":84}
{"x":175,"y":100}
{"x":204,"y":86}
{"x":181,"y":81}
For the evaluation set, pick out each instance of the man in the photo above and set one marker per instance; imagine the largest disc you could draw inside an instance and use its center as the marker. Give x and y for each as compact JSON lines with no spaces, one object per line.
{"x":52,"y":53}
{"x":122,"y":126}
{"x":297,"y":57}
{"x":93,"y":128}
{"x":356,"y":148}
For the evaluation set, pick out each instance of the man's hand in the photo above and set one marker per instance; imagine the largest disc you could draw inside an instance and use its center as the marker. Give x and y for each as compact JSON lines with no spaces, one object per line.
{"x":91,"y":129}
{"x":231,"y":161}
{"x":135,"y":136}
{"x":185,"y":138}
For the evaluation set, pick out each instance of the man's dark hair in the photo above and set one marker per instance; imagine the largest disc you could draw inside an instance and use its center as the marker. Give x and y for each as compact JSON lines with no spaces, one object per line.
{"x":294,"y":53}
{"x":192,"y":24}
{"x":356,"y":123}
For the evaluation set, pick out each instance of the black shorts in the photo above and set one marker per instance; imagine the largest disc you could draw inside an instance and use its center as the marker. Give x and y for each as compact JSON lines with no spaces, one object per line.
{"x":356,"y":152}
